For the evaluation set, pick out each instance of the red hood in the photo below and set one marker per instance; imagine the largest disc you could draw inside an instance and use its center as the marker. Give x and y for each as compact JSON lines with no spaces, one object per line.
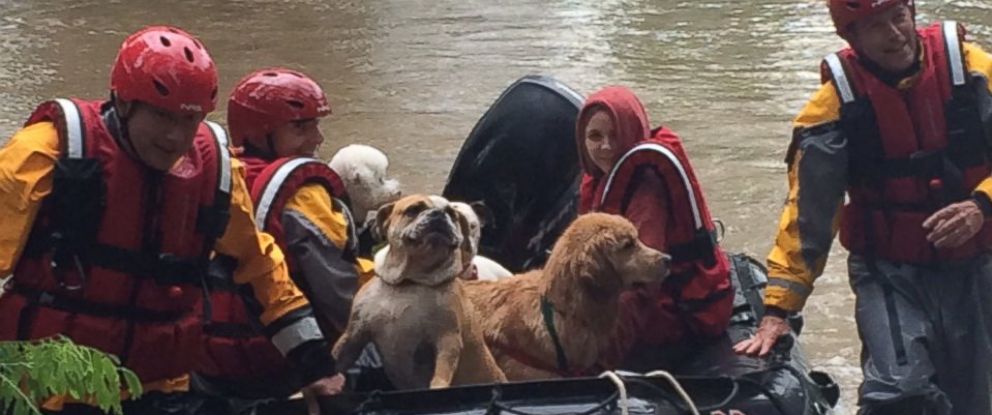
{"x":630,"y":122}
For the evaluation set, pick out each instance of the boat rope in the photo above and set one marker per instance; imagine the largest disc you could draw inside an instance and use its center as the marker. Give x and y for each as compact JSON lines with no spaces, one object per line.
{"x":677,"y":386}
{"x":622,"y":399}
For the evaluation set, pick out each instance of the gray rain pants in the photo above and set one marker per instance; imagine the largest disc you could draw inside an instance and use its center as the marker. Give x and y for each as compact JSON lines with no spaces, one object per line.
{"x":925,"y":335}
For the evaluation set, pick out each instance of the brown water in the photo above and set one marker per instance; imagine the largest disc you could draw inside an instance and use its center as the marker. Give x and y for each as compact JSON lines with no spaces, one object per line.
{"x":412,"y":77}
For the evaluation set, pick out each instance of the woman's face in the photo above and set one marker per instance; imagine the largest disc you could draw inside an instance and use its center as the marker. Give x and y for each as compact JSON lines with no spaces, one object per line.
{"x":601,"y":144}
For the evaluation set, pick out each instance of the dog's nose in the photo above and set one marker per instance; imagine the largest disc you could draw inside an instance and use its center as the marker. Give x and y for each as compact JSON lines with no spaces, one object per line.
{"x":435,"y":214}
{"x":666,"y":260}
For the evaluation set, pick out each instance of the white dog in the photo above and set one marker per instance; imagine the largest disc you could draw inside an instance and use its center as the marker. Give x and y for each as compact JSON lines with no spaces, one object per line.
{"x":364,"y":172}
{"x":486,"y":269}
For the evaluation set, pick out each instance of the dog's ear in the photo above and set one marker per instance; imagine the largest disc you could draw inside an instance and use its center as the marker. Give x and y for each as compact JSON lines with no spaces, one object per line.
{"x":356,"y":176}
{"x":486,"y":217}
{"x":373,"y":229}
{"x":599,"y":276}
{"x":381,"y":224}
{"x":467,"y":247}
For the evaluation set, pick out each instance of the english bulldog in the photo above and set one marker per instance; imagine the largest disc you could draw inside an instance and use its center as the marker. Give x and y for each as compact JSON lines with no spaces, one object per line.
{"x":415,"y":310}
{"x":483,"y":268}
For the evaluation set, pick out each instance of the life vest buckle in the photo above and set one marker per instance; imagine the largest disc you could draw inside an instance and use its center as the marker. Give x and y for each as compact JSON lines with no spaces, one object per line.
{"x":45,"y":298}
{"x":174,"y":270}
{"x":62,"y":253}
{"x":168,"y":258}
{"x":926,"y":164}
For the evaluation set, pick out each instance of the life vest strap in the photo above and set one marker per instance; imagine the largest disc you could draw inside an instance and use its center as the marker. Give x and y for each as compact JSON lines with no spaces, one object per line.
{"x":164,"y":268}
{"x":79,"y":305}
{"x":701,"y":247}
{"x":231,"y":330}
{"x":220,"y":274}
{"x":929,"y":164}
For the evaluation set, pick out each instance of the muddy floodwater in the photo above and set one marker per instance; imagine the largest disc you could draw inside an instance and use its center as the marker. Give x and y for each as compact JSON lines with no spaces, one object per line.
{"x":412,"y":77}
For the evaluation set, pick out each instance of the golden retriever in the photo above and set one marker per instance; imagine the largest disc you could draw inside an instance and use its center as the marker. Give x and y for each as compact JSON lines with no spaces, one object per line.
{"x":557,"y":321}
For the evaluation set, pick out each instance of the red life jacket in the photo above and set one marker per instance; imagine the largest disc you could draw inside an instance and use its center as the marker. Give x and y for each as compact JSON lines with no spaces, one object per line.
{"x":272,"y":184}
{"x":700,"y":274}
{"x":235,"y":347}
{"x":117,"y":254}
{"x":912,"y":152}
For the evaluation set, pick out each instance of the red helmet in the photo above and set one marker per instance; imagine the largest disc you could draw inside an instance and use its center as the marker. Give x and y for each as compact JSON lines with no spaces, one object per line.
{"x":165,"y":67}
{"x":267,"y":99}
{"x":845,"y":12}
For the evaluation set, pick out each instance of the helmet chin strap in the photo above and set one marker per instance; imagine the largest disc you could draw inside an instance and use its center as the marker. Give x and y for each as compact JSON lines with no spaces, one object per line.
{"x":268,"y":153}
{"x":271,"y":143}
{"x":118,"y":122}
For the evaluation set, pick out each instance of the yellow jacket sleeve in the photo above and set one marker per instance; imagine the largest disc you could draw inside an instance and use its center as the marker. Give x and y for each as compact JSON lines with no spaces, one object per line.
{"x":314,"y":203}
{"x":817,"y":177}
{"x":328,"y":215}
{"x":260,"y":262}
{"x":26,"y":165}
{"x":320,"y":234}
{"x":980,"y":62}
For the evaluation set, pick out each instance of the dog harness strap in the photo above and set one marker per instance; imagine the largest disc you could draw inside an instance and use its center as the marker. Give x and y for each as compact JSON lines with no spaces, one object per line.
{"x":547,"y":310}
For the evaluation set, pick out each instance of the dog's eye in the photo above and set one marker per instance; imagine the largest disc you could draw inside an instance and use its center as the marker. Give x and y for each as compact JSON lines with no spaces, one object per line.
{"x":628,"y":244}
{"x":414,"y":210}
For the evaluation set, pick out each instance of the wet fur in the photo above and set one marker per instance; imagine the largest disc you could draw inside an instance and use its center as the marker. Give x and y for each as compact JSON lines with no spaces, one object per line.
{"x":583,"y":280}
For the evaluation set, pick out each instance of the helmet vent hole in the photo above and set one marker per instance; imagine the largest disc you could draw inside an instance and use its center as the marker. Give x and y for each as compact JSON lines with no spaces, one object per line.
{"x":165,"y":41}
{"x":295,"y":104}
{"x":198,"y":44}
{"x":853,"y":5}
{"x":270,"y":74}
{"x":213,"y":94}
{"x":173,"y":30}
{"x":189,"y":54}
{"x":296,"y":74}
{"x":161,"y":88}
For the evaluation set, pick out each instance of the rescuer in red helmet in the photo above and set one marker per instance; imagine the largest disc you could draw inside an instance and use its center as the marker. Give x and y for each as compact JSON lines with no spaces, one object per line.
{"x":112,"y":211}
{"x":273,"y":116}
{"x":901,"y":125}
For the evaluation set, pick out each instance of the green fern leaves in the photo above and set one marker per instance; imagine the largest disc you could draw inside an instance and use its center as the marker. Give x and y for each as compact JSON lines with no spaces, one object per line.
{"x":31,"y":372}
